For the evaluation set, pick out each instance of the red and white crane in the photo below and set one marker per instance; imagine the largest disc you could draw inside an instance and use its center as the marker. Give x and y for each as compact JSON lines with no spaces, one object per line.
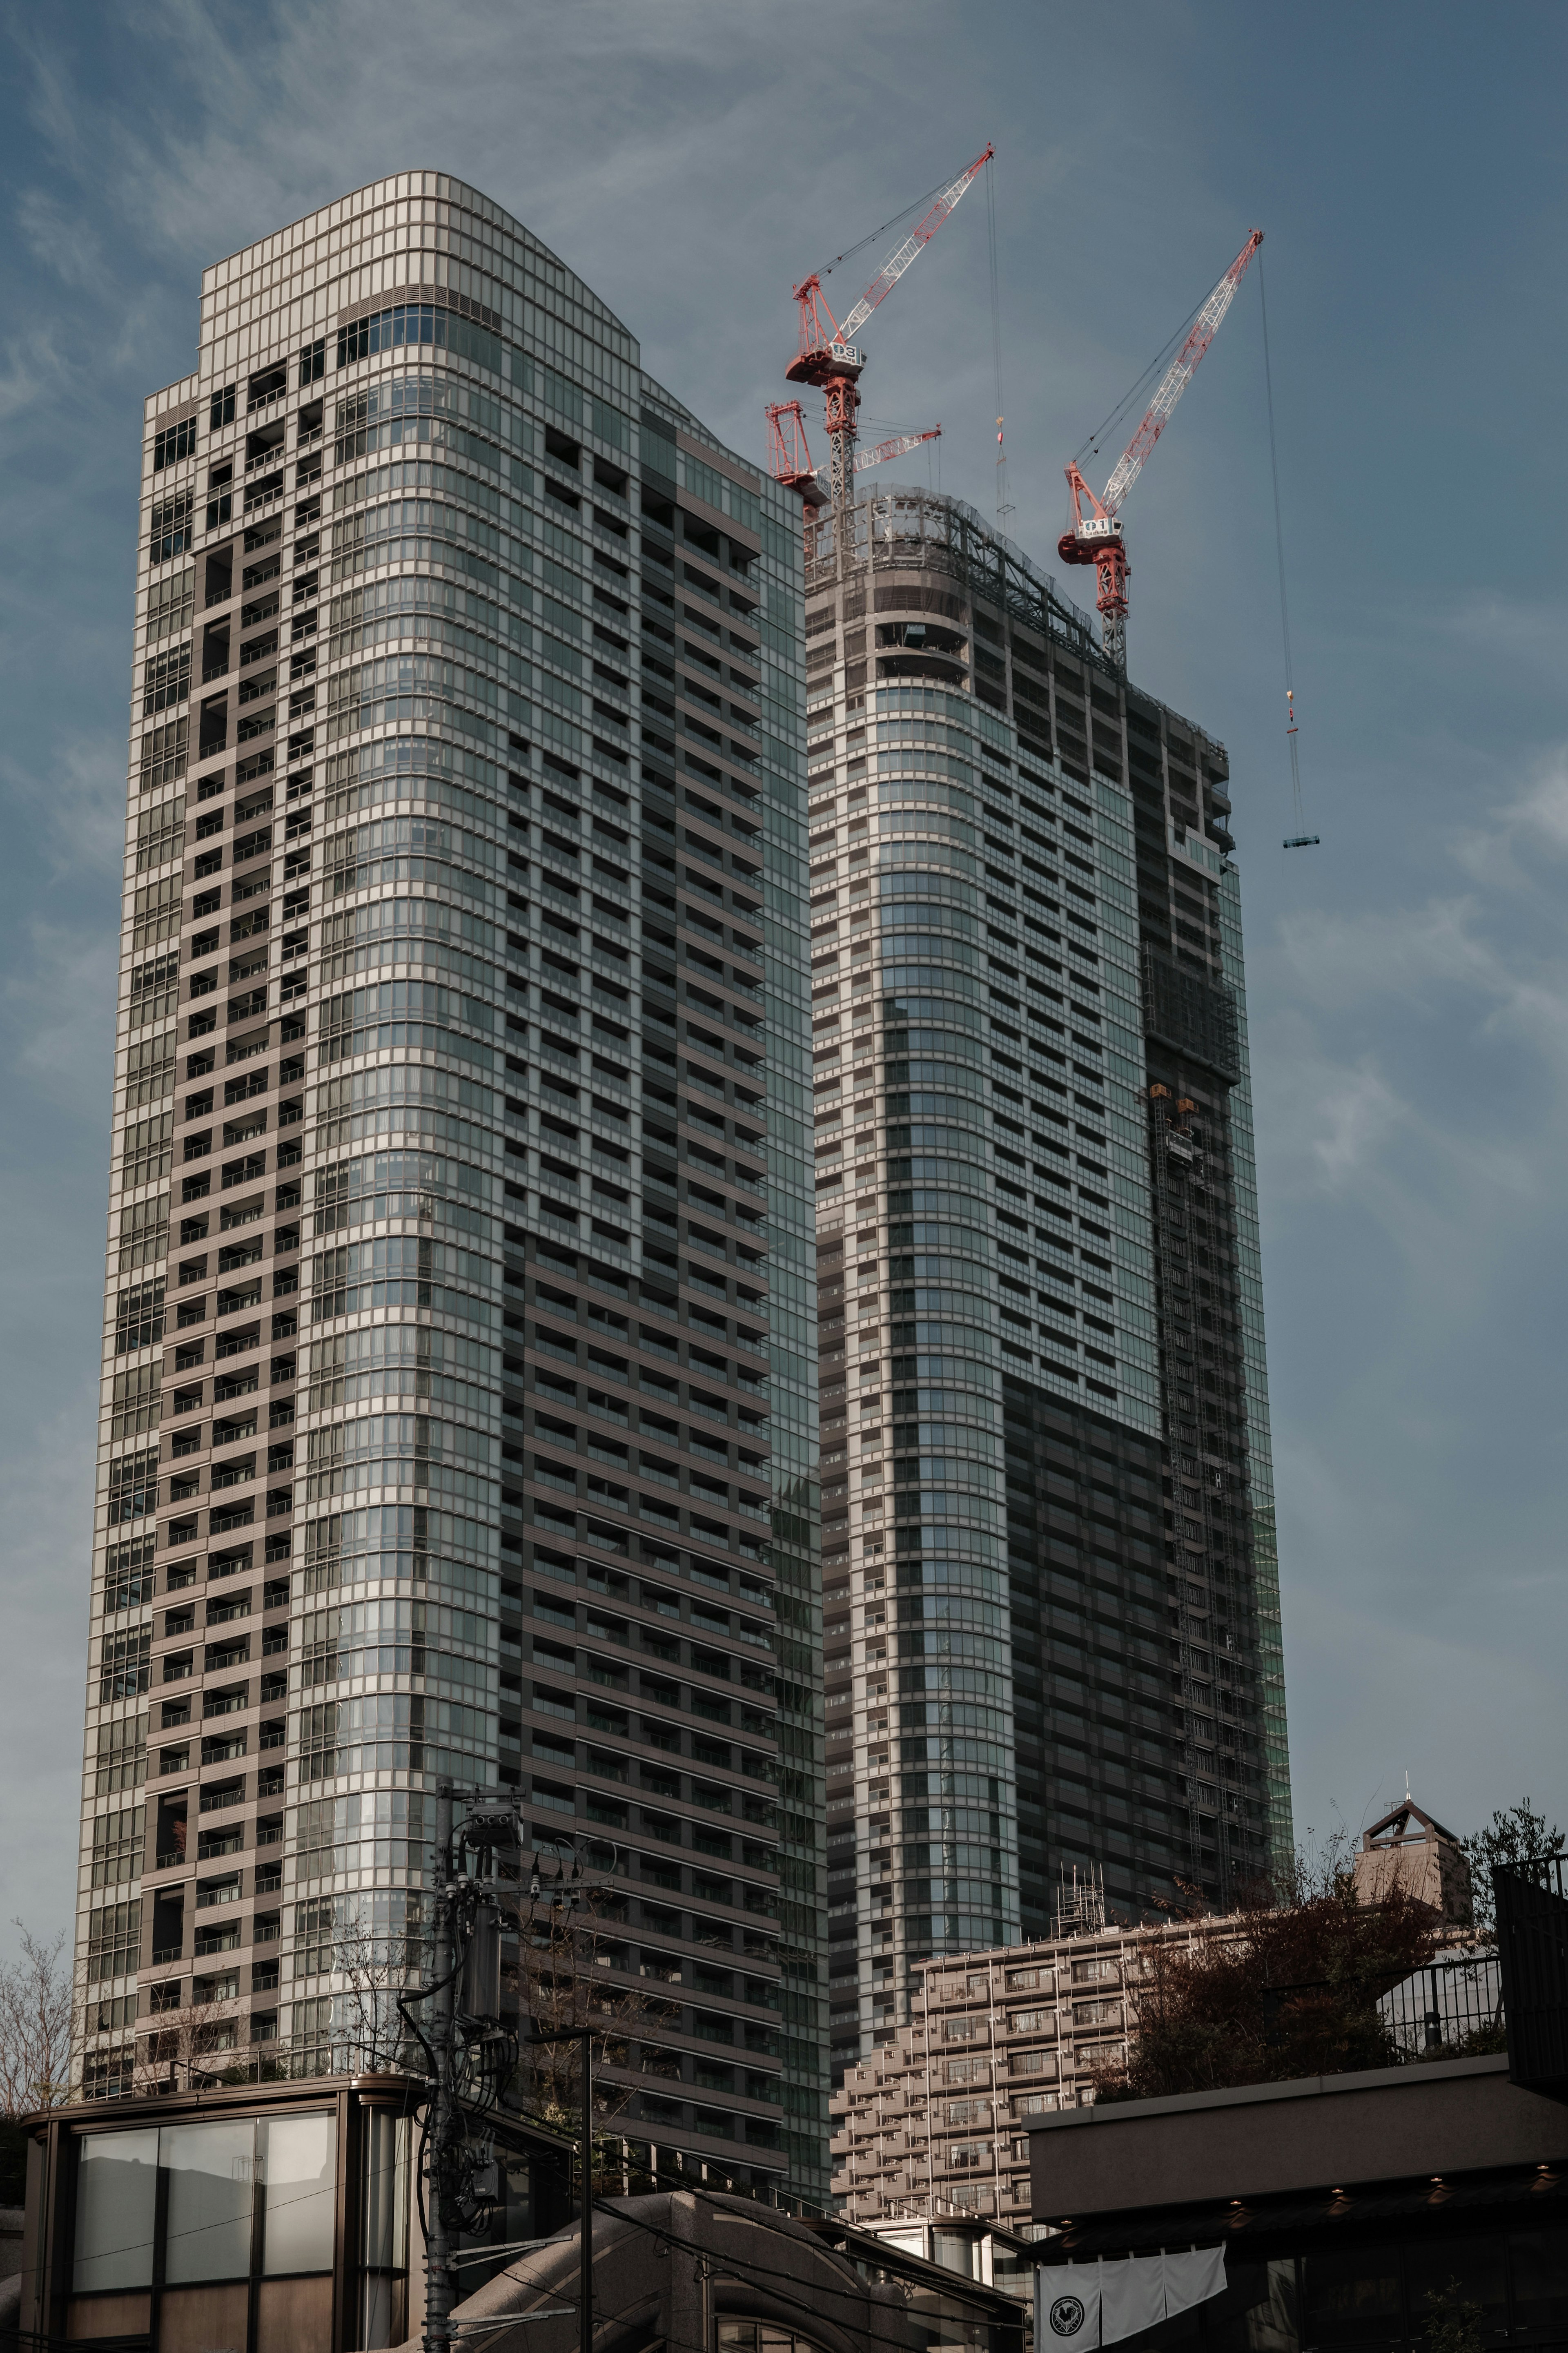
{"x":830,"y":358}
{"x":1096,"y":537}
{"x":791,"y":456}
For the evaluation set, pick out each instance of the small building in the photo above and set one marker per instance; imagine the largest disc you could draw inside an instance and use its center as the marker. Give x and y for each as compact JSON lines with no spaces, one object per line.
{"x":1412,"y":1850}
{"x":247,"y":2217}
{"x":286,"y":2216}
{"x":1344,"y":2203}
{"x":936,"y":2123}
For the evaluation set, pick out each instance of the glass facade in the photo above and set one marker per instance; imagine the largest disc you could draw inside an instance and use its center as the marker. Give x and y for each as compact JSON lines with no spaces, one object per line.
{"x":459,"y":1380}
{"x":1047,"y":1654}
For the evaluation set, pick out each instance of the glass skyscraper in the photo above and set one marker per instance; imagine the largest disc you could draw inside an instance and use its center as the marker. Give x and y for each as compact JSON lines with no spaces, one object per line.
{"x":1053,"y":1663}
{"x":458,"y":1408}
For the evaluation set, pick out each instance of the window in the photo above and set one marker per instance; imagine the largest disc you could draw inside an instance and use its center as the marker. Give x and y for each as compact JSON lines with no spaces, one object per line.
{"x":147,"y":1150}
{"x":166,"y":679}
{"x":121,"y":1755}
{"x":138,"y":1317}
{"x":1096,"y":1973}
{"x":160,"y":834}
{"x":136,"y":1398}
{"x":153,"y":990}
{"x":170,"y":602}
{"x":416,"y":323}
{"x":1033,"y":2062}
{"x":313,"y":361}
{"x":222,"y":410}
{"x":133,"y":1487}
{"x":224,"y":2177}
{"x":128,"y":1572}
{"x":117,"y":1844}
{"x":124,"y":1664}
{"x":1097,"y":2013}
{"x":164,"y":749}
{"x":173,"y":441}
{"x":171,"y":526}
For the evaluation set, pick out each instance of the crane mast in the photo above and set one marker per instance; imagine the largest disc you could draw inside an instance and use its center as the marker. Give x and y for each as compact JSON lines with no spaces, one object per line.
{"x":1096,"y":537}
{"x":828,"y":357}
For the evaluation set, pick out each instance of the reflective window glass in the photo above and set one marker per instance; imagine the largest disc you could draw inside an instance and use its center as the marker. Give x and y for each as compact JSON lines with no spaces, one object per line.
{"x":1457,"y":2268}
{"x":211,"y":2169}
{"x":384,"y":2217}
{"x":1353,"y":2296}
{"x":298,"y":2170}
{"x":116,"y":2204}
{"x":1539,"y":2260}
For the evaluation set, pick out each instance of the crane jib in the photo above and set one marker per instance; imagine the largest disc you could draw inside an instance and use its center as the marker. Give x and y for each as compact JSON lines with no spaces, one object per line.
{"x":893,"y":268}
{"x":1177,"y":377}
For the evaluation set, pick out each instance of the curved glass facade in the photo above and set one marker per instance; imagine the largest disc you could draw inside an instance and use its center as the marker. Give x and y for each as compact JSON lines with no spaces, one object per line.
{"x":1003,"y":1628}
{"x":464,"y":1341}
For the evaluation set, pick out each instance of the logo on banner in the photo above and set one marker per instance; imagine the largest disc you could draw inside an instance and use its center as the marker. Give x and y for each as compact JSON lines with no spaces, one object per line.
{"x":1067,"y":2317}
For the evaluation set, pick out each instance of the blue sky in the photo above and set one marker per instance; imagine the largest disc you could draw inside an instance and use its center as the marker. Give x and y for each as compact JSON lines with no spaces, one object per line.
{"x":1408,"y":981}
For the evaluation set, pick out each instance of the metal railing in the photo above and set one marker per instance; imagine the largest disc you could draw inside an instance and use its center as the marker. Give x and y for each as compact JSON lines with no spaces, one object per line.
{"x":1452,"y":2009}
{"x":1531,"y":1901}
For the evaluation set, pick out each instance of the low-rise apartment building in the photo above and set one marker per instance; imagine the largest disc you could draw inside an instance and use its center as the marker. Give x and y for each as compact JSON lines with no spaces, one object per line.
{"x":937,"y":2121}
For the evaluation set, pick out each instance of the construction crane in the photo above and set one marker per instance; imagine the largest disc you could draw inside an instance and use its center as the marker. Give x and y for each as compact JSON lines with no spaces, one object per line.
{"x":1096,"y":537}
{"x":828,"y":356}
{"x":791,"y":456}
{"x":900,"y":444}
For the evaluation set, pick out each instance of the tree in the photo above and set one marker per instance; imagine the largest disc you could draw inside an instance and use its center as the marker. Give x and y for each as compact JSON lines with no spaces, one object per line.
{"x":1453,"y":2325}
{"x":565,"y":1955}
{"x":1515,"y":1835}
{"x":190,"y":2045}
{"x":1286,"y":1986}
{"x":37,"y":2023}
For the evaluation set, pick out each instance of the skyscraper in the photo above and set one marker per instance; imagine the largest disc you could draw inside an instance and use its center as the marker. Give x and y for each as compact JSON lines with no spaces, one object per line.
{"x":458,"y":1402}
{"x":1050,"y":1583}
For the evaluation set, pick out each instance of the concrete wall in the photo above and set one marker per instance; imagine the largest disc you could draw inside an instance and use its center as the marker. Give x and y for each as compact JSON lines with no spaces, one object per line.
{"x":1326,"y":2132}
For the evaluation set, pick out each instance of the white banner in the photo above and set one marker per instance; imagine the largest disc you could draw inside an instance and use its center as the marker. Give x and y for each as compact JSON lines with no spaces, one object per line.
{"x":1091,"y":2304}
{"x":1067,"y":2306}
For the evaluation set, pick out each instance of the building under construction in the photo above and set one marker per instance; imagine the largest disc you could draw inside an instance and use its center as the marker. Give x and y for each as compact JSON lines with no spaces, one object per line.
{"x":1051,"y":1591}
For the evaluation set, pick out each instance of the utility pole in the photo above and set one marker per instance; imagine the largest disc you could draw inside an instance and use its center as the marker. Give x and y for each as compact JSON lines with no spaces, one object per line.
{"x":586,"y":2250}
{"x":438,"y":2244}
{"x":464,"y":1996}
{"x":584,"y":2035}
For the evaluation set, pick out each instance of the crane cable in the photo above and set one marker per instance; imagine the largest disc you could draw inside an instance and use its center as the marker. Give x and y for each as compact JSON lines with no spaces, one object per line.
{"x":826,"y":269}
{"x":1290,"y":724}
{"x":1004,"y":508}
{"x":1090,"y":446}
